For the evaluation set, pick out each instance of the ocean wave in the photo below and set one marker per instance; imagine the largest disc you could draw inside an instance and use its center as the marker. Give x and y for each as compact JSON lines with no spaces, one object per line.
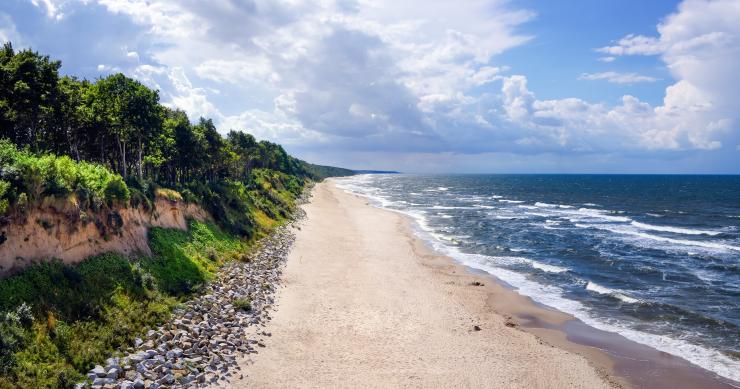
{"x":682,"y":242}
{"x":510,"y":201}
{"x":600,"y":214}
{"x":552,"y":296}
{"x":485,"y":206}
{"x":548,"y":205}
{"x":496,"y":197}
{"x":526,"y":207}
{"x":507,"y":217}
{"x":676,"y":230}
{"x":594,"y":287}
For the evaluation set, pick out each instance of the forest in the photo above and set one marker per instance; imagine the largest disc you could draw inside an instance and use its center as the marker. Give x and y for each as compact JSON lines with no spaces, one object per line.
{"x":118,"y":123}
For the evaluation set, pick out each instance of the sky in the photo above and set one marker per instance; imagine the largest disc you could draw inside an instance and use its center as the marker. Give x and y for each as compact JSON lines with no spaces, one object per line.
{"x":479,"y":86}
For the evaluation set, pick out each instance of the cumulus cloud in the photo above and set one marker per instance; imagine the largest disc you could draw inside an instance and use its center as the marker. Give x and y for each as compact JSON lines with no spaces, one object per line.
{"x":8,"y":30}
{"x":419,"y":76}
{"x":617,"y":78}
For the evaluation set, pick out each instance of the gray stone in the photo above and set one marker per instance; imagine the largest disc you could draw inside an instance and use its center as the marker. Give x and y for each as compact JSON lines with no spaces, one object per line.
{"x":103,"y":381}
{"x":98,"y":371}
{"x":167,"y":379}
{"x":112,"y":373}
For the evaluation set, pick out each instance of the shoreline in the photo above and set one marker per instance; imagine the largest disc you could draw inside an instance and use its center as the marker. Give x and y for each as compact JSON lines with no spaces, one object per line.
{"x":362,"y":304}
{"x":627,"y":362}
{"x":366,"y":302}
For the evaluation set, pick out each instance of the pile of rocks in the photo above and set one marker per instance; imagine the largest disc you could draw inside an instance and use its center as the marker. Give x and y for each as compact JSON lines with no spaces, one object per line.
{"x":199,"y":346}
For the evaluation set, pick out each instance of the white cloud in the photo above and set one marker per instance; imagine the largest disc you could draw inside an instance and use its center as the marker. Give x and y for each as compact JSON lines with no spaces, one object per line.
{"x":634,"y":44}
{"x":617,"y":78}
{"x":189,"y":98}
{"x":8,"y":30}
{"x":133,"y":56}
{"x":52,"y":8}
{"x":421,"y":76}
{"x":700,"y":45}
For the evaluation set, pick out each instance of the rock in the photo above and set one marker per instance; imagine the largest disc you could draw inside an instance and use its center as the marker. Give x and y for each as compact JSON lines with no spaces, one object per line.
{"x":168,"y":379}
{"x":99,"y":371}
{"x":103,"y":381}
{"x":476,"y":328}
{"x":112,"y":373}
{"x":130,"y":375}
{"x":201,"y":341}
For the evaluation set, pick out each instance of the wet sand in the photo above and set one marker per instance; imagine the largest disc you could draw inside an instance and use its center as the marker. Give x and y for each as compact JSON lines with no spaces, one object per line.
{"x":365,"y":303}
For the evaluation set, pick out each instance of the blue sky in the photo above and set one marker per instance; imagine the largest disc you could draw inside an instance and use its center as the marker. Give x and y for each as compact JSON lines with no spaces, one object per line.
{"x":430,"y":86}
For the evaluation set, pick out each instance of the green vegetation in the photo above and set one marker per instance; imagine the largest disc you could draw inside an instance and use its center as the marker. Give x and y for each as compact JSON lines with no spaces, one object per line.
{"x":27,"y":178}
{"x":78,"y":146}
{"x":243,"y":304}
{"x":57,"y":321}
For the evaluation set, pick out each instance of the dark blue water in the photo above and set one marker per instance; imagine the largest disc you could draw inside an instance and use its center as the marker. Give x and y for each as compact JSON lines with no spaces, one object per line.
{"x":654,"y":258}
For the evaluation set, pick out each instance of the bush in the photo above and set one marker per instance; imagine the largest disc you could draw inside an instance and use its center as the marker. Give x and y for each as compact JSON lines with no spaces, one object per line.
{"x":26,"y":178}
{"x":167,"y":194}
{"x":116,"y":190}
{"x":243,"y":304}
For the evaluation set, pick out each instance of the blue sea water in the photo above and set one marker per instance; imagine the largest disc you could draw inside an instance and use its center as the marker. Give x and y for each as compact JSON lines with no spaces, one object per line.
{"x":654,"y":258}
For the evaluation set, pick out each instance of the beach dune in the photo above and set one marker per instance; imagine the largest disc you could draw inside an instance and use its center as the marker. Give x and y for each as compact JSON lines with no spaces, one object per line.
{"x":364,"y":305}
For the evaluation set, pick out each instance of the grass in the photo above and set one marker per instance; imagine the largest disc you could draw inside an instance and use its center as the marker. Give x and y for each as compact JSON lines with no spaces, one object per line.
{"x":79,"y":315}
{"x":243,"y":304}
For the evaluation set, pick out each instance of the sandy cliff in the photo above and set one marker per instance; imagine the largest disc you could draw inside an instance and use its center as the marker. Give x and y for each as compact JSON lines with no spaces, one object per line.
{"x":58,"y":229}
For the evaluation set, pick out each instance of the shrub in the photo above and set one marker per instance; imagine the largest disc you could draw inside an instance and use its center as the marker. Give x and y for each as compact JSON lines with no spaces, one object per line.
{"x":26,"y":178}
{"x":168,"y":194}
{"x":242,"y":303}
{"x":116,"y":190}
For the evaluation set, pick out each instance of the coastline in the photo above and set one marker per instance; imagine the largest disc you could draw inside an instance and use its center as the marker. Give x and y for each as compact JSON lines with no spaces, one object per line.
{"x":333,"y":325}
{"x":360,"y":307}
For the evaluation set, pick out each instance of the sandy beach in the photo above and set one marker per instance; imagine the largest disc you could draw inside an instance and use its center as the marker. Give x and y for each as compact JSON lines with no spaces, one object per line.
{"x":364,"y":304}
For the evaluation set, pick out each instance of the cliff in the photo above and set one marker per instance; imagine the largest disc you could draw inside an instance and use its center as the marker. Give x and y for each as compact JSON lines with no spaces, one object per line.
{"x":57,"y":228}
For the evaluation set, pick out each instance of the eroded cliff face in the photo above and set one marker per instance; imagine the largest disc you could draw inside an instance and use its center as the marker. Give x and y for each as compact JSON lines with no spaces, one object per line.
{"x":57,"y":229}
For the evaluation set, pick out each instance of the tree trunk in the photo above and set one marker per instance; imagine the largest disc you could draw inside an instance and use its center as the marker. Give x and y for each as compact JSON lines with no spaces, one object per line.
{"x":141,"y":152}
{"x":122,"y":152}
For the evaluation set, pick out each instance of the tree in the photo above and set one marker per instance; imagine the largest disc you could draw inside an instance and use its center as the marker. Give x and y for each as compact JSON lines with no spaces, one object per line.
{"x":133,"y":112}
{"x":28,"y":90}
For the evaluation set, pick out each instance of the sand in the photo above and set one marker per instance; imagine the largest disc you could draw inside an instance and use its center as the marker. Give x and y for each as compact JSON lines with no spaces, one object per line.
{"x":364,"y":304}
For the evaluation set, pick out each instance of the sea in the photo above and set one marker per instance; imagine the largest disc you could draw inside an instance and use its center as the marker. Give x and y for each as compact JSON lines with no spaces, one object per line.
{"x":655,"y":258}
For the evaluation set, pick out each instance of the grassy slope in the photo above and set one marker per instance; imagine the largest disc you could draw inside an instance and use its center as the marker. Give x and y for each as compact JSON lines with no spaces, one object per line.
{"x":80,"y":314}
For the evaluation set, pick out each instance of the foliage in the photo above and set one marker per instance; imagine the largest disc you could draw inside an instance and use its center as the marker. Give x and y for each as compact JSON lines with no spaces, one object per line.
{"x":243,"y":304}
{"x":110,"y":143}
{"x":25,"y":176}
{"x":57,"y":320}
{"x":319,"y":172}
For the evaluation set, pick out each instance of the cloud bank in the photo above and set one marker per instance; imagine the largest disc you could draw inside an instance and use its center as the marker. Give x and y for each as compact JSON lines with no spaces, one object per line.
{"x":418,"y":77}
